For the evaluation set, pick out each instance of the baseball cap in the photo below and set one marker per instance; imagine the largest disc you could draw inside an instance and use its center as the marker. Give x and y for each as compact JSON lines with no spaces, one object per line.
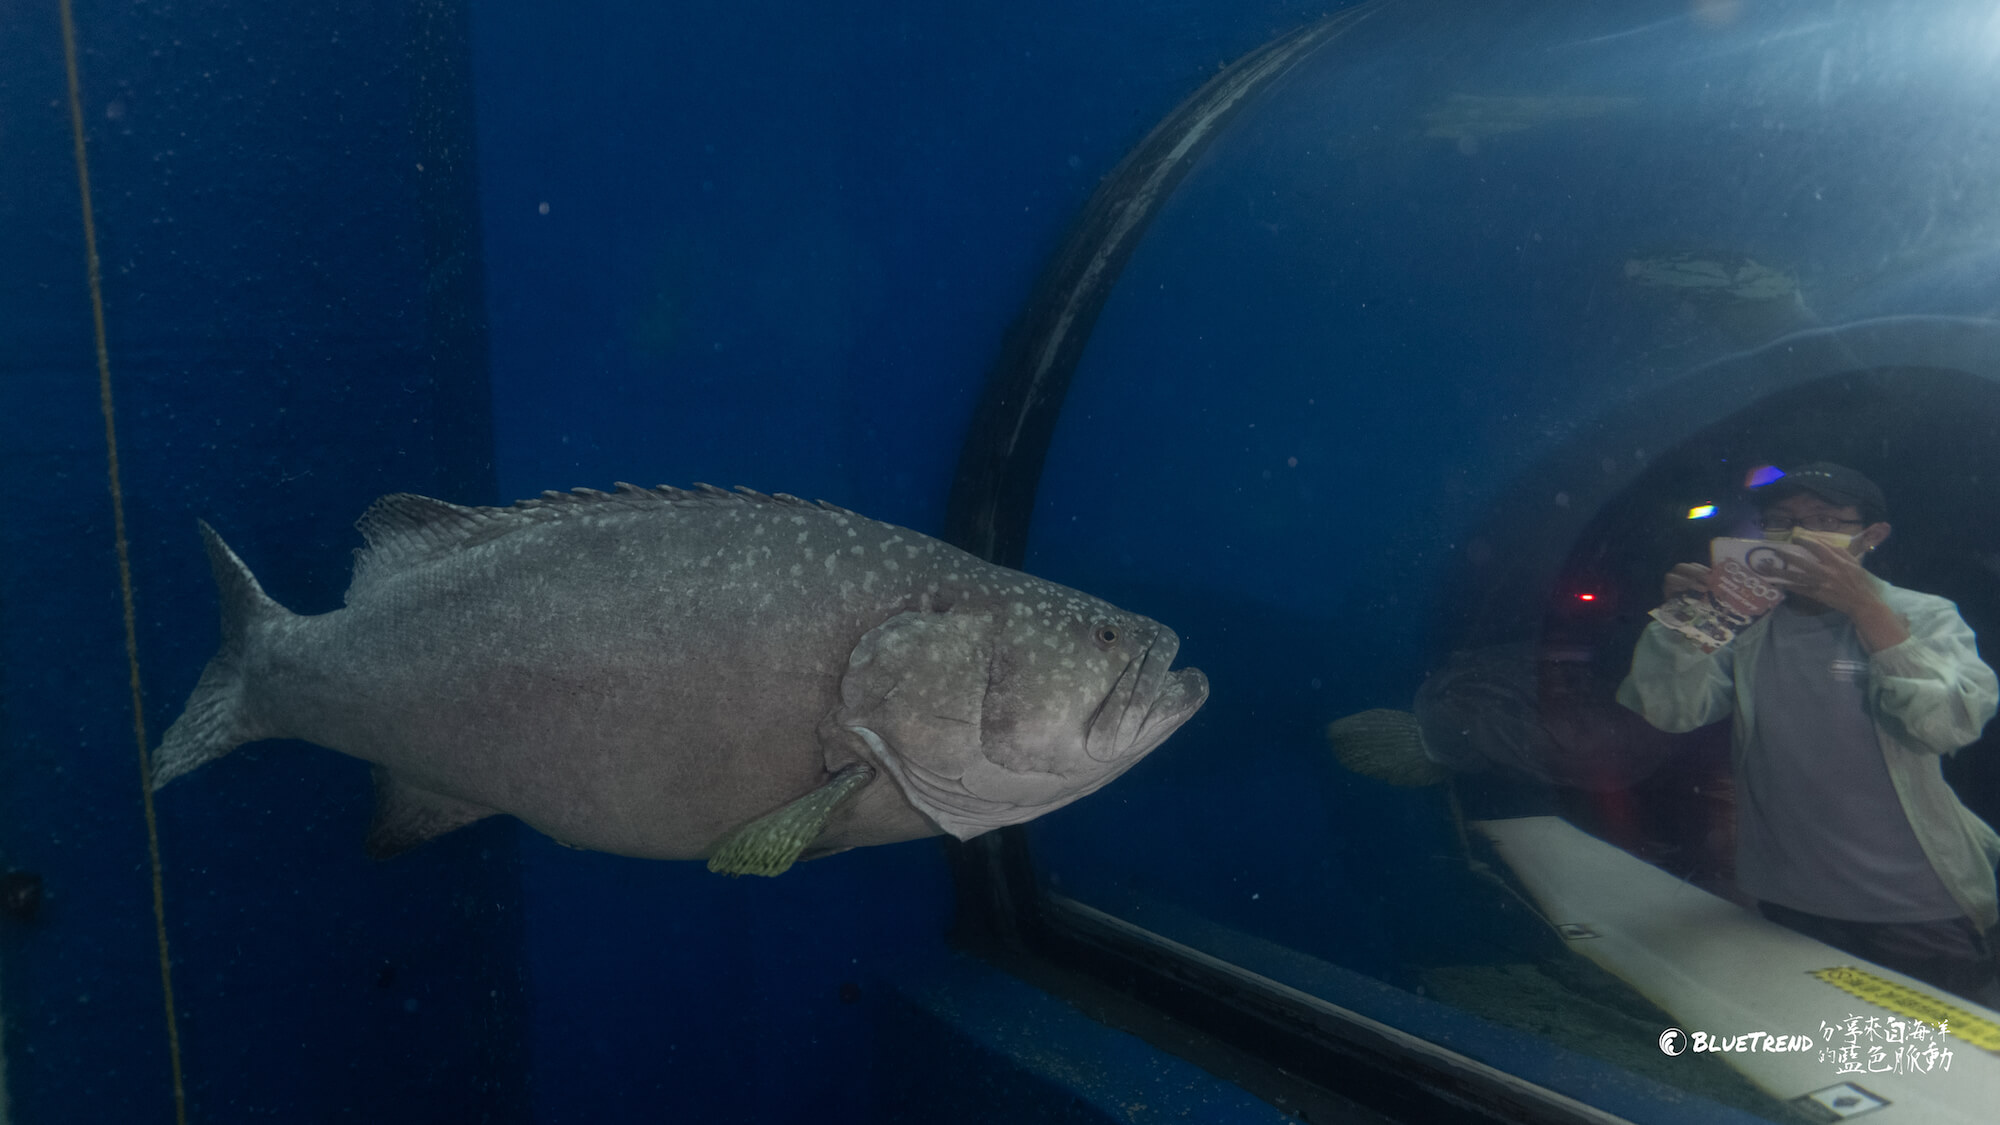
{"x":1835,"y":484}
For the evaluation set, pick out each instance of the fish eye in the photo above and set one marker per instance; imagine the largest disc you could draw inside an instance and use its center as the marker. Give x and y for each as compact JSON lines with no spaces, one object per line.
{"x":1105,"y":635}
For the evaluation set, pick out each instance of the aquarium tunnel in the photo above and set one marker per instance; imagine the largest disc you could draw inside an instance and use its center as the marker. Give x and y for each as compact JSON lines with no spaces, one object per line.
{"x":1392,"y":355}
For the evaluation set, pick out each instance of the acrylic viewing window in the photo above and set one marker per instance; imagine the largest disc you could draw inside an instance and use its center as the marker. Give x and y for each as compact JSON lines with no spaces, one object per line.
{"x":1393,"y":370}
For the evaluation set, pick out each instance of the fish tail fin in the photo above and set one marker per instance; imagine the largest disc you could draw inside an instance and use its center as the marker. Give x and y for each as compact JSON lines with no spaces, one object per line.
{"x":216,"y":720}
{"x":1385,"y":745}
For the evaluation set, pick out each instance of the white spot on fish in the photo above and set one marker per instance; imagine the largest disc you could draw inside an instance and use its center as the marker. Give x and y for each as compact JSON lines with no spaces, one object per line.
{"x":797,"y":570}
{"x":830,"y":561}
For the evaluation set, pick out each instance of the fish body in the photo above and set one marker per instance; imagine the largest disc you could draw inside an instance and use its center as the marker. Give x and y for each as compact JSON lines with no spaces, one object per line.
{"x":644,"y":671}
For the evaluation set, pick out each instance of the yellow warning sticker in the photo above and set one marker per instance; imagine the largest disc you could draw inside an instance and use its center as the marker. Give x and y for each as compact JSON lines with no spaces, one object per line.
{"x":1910,"y":1003}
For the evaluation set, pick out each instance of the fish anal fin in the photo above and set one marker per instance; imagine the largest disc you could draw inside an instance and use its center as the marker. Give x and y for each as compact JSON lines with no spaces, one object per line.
{"x":770,"y":844}
{"x":406,"y":815}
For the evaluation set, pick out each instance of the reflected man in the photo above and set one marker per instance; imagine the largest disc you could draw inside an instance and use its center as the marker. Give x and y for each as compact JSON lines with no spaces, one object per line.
{"x":1845,"y":698}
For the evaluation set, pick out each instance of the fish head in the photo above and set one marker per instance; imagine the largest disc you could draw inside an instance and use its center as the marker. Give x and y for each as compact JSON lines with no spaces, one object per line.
{"x":990,"y":714}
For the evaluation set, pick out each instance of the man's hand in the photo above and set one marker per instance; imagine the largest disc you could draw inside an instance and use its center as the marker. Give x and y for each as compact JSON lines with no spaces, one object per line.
{"x":1686,"y":576}
{"x":1836,"y":580}
{"x":1833,"y":578}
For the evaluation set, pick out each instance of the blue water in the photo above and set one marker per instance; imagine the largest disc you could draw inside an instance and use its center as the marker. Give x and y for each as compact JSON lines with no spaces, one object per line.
{"x":476,"y":249}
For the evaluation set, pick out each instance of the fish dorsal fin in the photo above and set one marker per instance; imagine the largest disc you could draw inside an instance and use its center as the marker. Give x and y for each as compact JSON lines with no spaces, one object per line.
{"x":406,"y":816}
{"x":405,"y":523}
{"x":405,"y":530}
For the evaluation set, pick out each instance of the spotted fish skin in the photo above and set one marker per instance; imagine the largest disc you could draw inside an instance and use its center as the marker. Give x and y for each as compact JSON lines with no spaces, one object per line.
{"x":641,"y":671}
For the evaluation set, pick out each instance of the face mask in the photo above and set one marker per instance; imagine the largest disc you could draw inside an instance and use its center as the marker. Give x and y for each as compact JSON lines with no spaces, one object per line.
{"x":1834,"y":539}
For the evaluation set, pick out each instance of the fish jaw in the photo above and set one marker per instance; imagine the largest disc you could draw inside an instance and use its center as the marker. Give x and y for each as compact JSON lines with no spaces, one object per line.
{"x":964,"y":760}
{"x":1182,"y":695}
{"x":984,"y":797}
{"x":1150,"y":701}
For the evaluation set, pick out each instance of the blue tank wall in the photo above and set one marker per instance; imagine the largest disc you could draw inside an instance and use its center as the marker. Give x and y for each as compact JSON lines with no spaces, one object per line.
{"x":293,"y":325}
{"x":780,"y":245}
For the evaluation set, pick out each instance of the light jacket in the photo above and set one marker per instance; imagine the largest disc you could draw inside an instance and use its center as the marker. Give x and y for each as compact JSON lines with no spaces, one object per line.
{"x":1929,"y":695}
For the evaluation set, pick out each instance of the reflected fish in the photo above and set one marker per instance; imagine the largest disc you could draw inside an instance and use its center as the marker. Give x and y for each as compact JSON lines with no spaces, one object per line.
{"x":1748,"y":302}
{"x":1475,"y":117}
{"x":1714,"y":275}
{"x":1512,"y":708}
{"x":681,"y":674}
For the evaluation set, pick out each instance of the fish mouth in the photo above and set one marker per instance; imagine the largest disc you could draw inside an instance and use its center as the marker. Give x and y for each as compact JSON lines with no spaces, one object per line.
{"x":1149,"y":701}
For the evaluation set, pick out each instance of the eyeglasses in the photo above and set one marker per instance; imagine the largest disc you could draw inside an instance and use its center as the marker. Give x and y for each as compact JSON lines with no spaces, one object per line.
{"x":1810,"y":523}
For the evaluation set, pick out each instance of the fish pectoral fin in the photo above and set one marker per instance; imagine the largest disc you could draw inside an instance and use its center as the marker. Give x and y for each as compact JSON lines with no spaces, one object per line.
{"x":770,"y":844}
{"x":406,"y":816}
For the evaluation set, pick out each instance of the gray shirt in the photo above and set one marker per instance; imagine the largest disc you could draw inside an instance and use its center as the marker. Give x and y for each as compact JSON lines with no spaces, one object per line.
{"x":1820,"y":827}
{"x":1929,"y":696}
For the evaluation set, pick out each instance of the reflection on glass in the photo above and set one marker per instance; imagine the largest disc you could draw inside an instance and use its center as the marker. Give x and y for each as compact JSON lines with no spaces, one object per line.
{"x":1605,"y":276}
{"x":1844,"y":697}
